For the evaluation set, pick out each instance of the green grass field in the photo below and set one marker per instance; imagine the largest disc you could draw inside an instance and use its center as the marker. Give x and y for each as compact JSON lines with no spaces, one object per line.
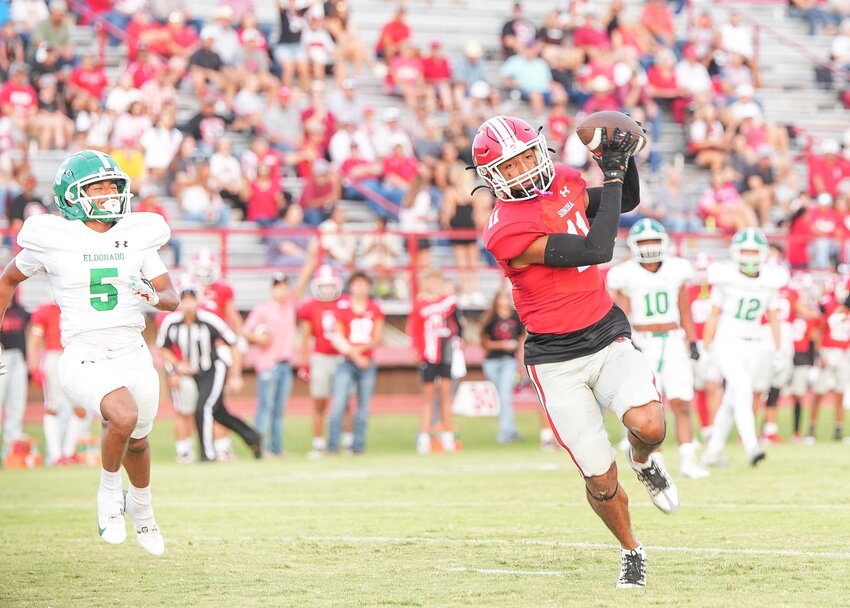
{"x":491,"y":526}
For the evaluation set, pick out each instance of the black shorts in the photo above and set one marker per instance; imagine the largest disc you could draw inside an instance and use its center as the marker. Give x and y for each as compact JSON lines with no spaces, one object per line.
{"x":806,"y":357}
{"x":431,"y":371}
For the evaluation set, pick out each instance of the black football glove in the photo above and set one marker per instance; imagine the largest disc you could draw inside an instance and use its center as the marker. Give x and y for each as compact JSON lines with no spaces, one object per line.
{"x":694,"y":351}
{"x":616,"y":153}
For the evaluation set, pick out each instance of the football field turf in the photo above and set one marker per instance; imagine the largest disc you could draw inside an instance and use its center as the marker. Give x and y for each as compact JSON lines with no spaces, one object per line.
{"x":499,"y":526}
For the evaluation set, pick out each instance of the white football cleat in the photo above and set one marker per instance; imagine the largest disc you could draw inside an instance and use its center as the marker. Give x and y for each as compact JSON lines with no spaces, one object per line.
{"x":147,"y":532}
{"x":692,"y":470}
{"x":423,"y":443}
{"x":659,"y":485}
{"x":110,"y":518}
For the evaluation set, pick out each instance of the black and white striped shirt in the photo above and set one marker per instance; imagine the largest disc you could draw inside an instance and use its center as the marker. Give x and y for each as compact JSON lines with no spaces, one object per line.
{"x":195,"y":342}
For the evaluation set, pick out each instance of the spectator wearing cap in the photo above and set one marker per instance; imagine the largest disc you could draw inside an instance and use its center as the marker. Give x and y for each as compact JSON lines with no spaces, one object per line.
{"x":282,"y":121}
{"x":289,"y":54}
{"x":226,"y":40}
{"x":345,"y":103}
{"x":390,"y":133}
{"x":438,"y":74}
{"x":207,"y":68}
{"x":532,"y":77}
{"x":55,"y":30}
{"x":149,"y":203}
{"x":392,"y":34}
{"x":827,"y":169}
{"x":468,"y":69}
{"x":270,"y":330}
{"x":321,"y":192}
{"x":18,"y":98}
{"x":319,"y":48}
{"x":516,"y":32}
{"x":342,"y":141}
{"x":339,"y":244}
{"x":602,"y":96}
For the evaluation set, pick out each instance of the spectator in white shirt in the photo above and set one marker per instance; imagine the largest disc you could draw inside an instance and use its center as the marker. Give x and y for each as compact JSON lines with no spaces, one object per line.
{"x":121,"y":96}
{"x":390,"y":133}
{"x":27,"y":13}
{"x":334,"y":240}
{"x":735,"y":37}
{"x":226,"y":176}
{"x":130,"y":125}
{"x":282,"y":121}
{"x":226,"y":41}
{"x":692,"y":76}
{"x":160,"y":145}
{"x":318,"y":46}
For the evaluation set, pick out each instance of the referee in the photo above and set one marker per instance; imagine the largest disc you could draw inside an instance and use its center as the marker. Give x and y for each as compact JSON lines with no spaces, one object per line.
{"x":196,"y":335}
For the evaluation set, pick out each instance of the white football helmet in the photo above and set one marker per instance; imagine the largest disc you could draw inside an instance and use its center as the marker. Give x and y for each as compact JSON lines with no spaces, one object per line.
{"x":648,"y":241}
{"x":326,"y":285}
{"x":205,"y":267}
{"x":749,"y":249}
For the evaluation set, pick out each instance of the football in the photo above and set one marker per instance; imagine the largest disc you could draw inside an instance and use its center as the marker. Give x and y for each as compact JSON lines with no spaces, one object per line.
{"x":589,"y":130}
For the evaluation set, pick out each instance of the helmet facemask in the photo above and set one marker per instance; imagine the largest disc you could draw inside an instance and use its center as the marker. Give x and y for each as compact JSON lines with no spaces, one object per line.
{"x":749,"y":260}
{"x":649,"y":250}
{"x":515,"y":189}
{"x":104,"y":208}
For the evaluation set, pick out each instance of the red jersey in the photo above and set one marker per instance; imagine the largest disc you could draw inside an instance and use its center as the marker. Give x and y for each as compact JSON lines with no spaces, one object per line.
{"x":786,"y":306}
{"x":802,"y":333}
{"x":322,"y":318}
{"x":431,"y":323}
{"x":549,"y":300}
{"x":359,"y":326}
{"x":699,"y":299}
{"x":835,"y":323}
{"x":216,"y":297}
{"x":46,"y":319}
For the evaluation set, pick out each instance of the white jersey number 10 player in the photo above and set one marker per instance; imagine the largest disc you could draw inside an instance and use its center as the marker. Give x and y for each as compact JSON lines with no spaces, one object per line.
{"x":102,"y":264}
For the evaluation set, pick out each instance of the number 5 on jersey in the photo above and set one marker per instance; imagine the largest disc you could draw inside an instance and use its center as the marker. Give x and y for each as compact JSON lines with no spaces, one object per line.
{"x":104,"y":295}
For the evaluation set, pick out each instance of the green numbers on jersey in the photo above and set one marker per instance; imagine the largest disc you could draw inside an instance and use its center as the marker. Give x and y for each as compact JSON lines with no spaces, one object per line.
{"x":104,"y":295}
{"x":748,"y":309}
{"x":657,"y":304}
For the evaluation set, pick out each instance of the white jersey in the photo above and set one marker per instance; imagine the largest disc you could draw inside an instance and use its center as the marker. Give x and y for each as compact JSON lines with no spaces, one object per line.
{"x":88,"y":272}
{"x":743,"y":299}
{"x":653,"y":296}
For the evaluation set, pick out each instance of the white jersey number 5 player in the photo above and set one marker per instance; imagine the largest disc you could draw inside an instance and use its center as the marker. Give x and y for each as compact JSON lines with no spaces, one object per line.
{"x":102,"y":263}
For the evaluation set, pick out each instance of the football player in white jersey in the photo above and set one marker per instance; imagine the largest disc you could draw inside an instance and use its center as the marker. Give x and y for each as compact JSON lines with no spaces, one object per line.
{"x":650,"y":288}
{"x":743,"y":291}
{"x":102,"y":263}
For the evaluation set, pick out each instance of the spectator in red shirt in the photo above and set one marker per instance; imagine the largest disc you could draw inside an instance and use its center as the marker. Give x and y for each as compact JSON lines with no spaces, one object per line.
{"x":87,"y":81}
{"x":399,"y":168}
{"x":406,"y":76}
{"x":658,"y":19}
{"x":799,"y":234}
{"x":18,"y":98}
{"x":392,"y":35}
{"x":321,"y":192}
{"x":663,"y":85}
{"x":438,"y":75}
{"x":265,"y":202}
{"x":825,"y":226}
{"x":362,"y":181}
{"x":827,"y":169}
{"x":722,"y":205}
{"x":592,"y":36}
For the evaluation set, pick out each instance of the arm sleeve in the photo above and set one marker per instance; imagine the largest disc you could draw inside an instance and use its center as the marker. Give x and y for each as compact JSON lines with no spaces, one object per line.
{"x":571,"y":250}
{"x":631,"y":193}
{"x":28,"y":262}
{"x":152,"y":265}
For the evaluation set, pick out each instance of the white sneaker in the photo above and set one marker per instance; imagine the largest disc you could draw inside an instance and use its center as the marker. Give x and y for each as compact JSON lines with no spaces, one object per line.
{"x":185,"y":457}
{"x":659,"y":485}
{"x":423,"y":443}
{"x":691,"y":470}
{"x":147,"y":532}
{"x":447,"y":439}
{"x":110,"y":518}
{"x":315,"y":454}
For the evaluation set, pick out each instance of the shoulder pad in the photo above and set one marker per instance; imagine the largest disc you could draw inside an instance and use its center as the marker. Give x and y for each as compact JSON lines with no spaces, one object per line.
{"x":567,"y":172}
{"x":618,"y":274}
{"x":776,"y":276}
{"x":718,"y":272}
{"x":39,"y":231}
{"x":150,"y":228}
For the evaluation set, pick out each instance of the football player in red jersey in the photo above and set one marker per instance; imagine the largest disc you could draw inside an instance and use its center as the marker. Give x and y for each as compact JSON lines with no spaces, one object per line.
{"x":803,"y":329}
{"x":318,"y":320}
{"x":832,"y":344}
{"x":548,"y":234}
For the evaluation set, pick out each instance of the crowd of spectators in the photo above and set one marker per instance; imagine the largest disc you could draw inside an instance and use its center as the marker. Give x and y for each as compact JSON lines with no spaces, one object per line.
{"x":190,"y":88}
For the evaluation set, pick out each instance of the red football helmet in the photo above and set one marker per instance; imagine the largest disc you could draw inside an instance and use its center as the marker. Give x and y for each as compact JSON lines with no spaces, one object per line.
{"x":205,"y":267}
{"x":501,"y":138}
{"x":326,"y":286}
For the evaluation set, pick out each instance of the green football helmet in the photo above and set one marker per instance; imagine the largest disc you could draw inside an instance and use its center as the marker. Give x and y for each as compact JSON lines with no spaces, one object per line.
{"x":638,"y":240}
{"x":81,"y":170}
{"x":749,"y":249}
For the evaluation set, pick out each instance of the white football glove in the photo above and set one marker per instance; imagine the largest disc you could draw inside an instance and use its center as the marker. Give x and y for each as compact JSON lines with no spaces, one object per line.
{"x":778,"y":361}
{"x":2,"y":365}
{"x":143,"y":290}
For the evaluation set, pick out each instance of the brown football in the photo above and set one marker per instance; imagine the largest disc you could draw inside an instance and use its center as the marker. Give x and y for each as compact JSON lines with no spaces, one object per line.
{"x":589,"y":130}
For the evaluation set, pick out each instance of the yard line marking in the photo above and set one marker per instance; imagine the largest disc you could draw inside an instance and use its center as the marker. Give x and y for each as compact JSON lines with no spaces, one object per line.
{"x":573,"y":545}
{"x":417,"y":504}
{"x":497,"y":571}
{"x":419,"y":472}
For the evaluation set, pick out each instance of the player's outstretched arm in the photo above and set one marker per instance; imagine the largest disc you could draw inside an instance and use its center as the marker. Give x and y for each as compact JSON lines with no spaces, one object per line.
{"x":631,"y":193}
{"x":9,"y":281}
{"x":565,"y":250}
